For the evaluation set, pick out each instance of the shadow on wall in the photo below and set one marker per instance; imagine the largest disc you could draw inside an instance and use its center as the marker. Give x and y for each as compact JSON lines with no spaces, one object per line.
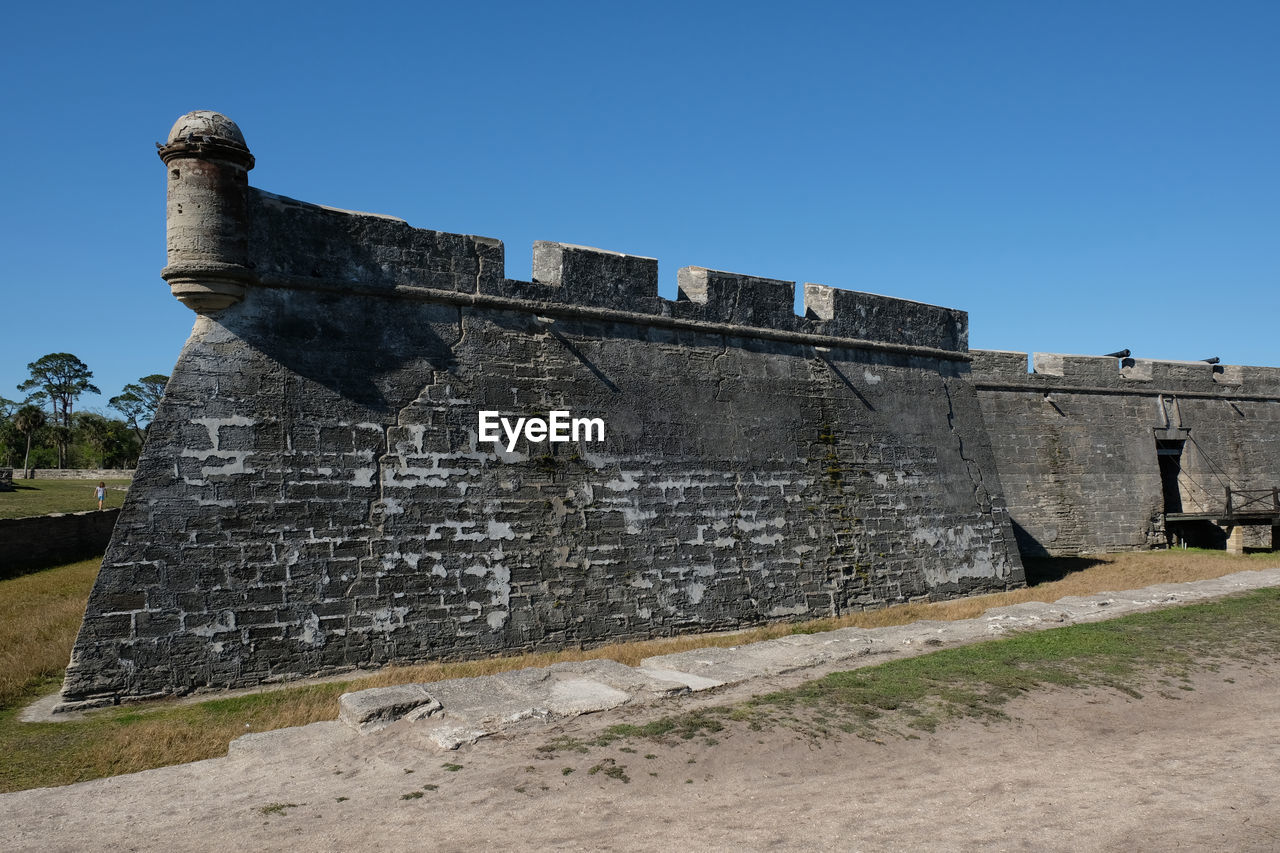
{"x":1028,"y":545}
{"x":1048,"y":569}
{"x":376,"y":353}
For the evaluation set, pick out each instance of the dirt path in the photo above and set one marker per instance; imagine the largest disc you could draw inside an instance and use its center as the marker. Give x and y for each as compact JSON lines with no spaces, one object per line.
{"x":1190,"y":770}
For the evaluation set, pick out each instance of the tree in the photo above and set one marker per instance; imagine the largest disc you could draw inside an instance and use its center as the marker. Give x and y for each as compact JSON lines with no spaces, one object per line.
{"x":138,"y":401}
{"x":96,"y":431}
{"x":10,"y":443}
{"x":121,"y":448}
{"x":9,"y":437}
{"x":28,"y":421}
{"x":60,"y":378}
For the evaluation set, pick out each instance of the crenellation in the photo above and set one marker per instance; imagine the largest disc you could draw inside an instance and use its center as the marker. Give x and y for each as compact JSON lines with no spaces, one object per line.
{"x":1181,"y":375}
{"x":1077,"y":368}
{"x":1148,"y":377}
{"x":582,"y":275}
{"x":735,"y":299}
{"x":869,"y":316}
{"x":1252,"y":379}
{"x":995,"y":365}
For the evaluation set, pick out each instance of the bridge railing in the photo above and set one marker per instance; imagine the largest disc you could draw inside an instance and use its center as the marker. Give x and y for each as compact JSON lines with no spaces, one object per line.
{"x":1242,"y":501}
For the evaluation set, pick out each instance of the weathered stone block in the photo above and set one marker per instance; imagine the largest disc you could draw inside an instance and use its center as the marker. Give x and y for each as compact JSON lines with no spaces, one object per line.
{"x":868,"y":316}
{"x":586,"y":276}
{"x":723,"y":297}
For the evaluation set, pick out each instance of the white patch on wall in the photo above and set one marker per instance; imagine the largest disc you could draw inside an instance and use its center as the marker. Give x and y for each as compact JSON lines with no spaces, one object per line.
{"x":386,"y":619}
{"x":500,"y":530}
{"x":500,"y":586}
{"x":233,"y":462}
{"x":459,"y":536}
{"x":963,"y":553}
{"x":598,"y":460}
{"x":626,"y":483}
{"x":633,"y":515}
{"x":311,"y":633}
{"x":226,"y":621}
{"x":872,"y":378}
{"x":415,"y":432}
{"x":212,"y":425}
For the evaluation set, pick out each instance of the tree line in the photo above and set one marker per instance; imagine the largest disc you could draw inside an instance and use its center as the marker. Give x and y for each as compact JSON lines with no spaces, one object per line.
{"x":44,"y":430}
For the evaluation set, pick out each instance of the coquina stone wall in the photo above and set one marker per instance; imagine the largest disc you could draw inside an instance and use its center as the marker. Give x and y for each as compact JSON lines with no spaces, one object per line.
{"x":40,"y":541}
{"x":314,"y":495}
{"x":1075,"y":444}
{"x":73,"y":473}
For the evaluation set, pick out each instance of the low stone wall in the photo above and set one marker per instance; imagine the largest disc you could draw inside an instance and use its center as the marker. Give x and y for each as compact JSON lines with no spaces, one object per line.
{"x":29,"y":544}
{"x":75,"y":473}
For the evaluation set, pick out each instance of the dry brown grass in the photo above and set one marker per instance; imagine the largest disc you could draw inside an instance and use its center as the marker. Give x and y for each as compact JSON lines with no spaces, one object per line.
{"x":40,"y":614}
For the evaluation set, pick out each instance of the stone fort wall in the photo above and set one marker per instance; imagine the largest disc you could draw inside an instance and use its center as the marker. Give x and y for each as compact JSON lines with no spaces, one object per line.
{"x":37,"y":542}
{"x":314,"y":495}
{"x":1075,"y":444}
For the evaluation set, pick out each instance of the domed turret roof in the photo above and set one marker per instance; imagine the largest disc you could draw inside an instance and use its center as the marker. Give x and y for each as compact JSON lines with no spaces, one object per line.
{"x":206,"y":123}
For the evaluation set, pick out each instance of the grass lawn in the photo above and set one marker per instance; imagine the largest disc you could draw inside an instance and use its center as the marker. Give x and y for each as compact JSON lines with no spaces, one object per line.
{"x":40,"y":614}
{"x":41,"y":497}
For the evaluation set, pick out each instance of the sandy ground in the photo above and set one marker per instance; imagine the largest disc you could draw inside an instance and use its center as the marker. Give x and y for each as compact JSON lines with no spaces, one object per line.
{"x":1074,"y":770}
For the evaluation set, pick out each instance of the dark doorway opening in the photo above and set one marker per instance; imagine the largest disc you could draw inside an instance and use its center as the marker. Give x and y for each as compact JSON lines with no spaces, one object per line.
{"x":1169,"y":454}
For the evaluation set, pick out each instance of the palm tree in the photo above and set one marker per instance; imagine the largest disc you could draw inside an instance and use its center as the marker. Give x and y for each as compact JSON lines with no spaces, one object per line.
{"x":28,"y":420}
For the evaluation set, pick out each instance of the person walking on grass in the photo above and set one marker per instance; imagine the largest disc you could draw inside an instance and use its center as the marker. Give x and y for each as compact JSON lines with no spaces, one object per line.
{"x":101,"y":492}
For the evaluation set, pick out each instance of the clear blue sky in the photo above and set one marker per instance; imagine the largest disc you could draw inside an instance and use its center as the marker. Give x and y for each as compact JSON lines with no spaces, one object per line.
{"x":1080,"y":177}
